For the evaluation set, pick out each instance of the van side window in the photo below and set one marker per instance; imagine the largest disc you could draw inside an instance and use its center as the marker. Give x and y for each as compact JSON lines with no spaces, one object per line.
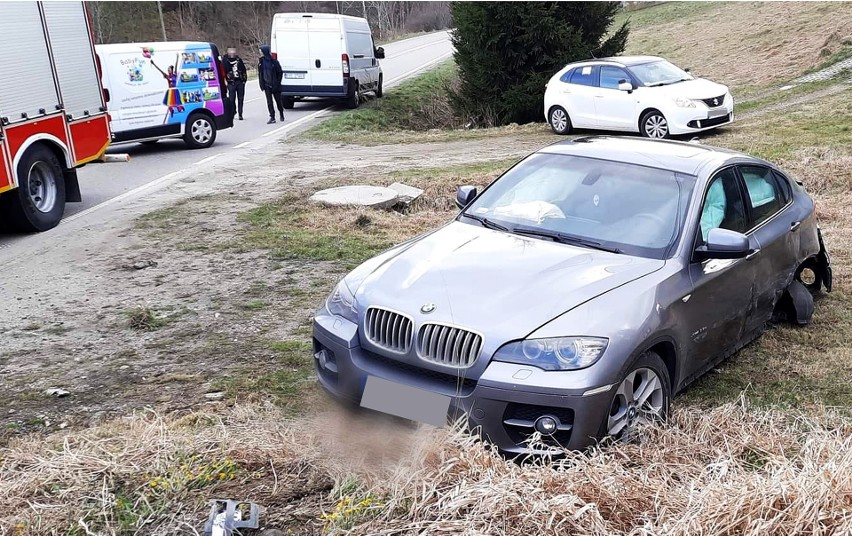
{"x":585,"y":76}
{"x":360,"y":43}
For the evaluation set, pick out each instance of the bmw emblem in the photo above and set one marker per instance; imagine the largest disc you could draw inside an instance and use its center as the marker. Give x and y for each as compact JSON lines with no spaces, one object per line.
{"x":428,"y":308}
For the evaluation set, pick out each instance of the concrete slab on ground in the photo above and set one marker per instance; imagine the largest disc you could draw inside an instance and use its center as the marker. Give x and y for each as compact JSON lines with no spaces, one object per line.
{"x":357,"y":195}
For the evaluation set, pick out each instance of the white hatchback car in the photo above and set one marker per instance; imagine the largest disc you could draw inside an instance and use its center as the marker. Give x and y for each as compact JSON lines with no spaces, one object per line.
{"x":644,"y":94}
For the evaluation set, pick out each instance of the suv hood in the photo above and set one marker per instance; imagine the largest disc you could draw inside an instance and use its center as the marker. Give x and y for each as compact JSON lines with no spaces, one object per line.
{"x":493,"y":281}
{"x":698,"y":88}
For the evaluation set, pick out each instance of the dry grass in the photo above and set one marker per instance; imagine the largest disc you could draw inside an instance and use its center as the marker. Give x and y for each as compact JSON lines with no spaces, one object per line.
{"x":727,"y":41}
{"x":732,"y":470}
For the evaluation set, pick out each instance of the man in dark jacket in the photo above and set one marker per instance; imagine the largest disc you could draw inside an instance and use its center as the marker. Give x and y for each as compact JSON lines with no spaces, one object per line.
{"x":269,"y":75}
{"x":235,"y":73}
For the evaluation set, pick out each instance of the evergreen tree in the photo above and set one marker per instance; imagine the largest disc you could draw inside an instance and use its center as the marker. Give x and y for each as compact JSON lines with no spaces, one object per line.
{"x":507,"y":51}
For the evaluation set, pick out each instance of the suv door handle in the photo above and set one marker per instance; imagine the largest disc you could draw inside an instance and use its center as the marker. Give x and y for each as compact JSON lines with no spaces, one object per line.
{"x":795,"y":226}
{"x":753,"y":254}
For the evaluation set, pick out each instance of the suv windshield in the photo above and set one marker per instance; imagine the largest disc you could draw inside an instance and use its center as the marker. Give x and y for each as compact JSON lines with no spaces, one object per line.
{"x":659,"y":73}
{"x":589,"y":203}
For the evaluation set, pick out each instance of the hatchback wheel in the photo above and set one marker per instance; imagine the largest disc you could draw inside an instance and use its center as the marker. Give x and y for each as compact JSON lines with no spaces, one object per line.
{"x":642,"y":397}
{"x":654,"y":125}
{"x":559,"y":120}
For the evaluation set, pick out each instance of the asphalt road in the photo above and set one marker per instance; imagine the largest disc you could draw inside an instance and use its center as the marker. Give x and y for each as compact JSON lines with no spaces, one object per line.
{"x":103,"y":183}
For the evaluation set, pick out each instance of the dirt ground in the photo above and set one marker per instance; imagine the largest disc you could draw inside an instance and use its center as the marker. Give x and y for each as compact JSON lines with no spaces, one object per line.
{"x":216,"y":310}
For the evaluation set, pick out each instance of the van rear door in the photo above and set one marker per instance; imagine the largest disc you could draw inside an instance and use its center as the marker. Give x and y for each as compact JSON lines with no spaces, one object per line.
{"x":290,"y":45}
{"x":326,"y":46}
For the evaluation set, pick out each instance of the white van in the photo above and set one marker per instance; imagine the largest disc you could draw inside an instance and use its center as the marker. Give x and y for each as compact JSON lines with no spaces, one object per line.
{"x":165,"y":90}
{"x":326,"y":55}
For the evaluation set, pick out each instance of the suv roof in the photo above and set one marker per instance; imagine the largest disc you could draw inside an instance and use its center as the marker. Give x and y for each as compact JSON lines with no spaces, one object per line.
{"x":678,"y":156}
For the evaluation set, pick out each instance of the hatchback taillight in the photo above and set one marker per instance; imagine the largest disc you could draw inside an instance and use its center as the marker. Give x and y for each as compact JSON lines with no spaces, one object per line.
{"x":345,"y":60}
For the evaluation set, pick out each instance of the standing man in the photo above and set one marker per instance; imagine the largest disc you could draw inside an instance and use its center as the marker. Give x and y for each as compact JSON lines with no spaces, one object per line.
{"x":235,"y":72}
{"x":269,"y":75}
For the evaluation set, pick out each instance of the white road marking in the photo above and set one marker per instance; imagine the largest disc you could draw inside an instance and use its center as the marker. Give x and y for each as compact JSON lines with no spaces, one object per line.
{"x":422,"y":67}
{"x":208,"y":159}
{"x":296,"y":123}
{"x":122,"y":197}
{"x":406,"y":51}
{"x":254,"y":99}
{"x":243,"y":144}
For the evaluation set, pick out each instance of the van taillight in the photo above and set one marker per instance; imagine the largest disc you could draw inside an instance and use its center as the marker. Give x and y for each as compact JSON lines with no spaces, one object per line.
{"x":345,"y":59}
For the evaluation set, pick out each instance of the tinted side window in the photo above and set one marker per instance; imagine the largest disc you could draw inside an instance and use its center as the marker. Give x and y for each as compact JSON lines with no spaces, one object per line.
{"x":764,"y":194}
{"x":611,"y":75}
{"x":723,"y":205}
{"x":585,"y":76}
{"x":567,"y":76}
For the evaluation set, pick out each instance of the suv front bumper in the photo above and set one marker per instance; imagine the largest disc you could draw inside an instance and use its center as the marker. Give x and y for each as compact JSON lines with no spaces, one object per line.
{"x":502,"y":412}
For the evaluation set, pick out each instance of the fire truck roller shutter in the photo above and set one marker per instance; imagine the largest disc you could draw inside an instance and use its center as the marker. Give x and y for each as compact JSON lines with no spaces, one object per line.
{"x":69,"y":34}
{"x":28,"y":87}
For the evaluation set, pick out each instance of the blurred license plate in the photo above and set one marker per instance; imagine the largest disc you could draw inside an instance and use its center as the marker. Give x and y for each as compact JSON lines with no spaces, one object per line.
{"x":405,"y":401}
{"x":712,"y":114}
{"x":294,"y":75}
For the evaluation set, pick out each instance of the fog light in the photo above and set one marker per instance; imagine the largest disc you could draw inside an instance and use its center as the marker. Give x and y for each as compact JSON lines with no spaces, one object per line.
{"x":547,"y":425}
{"x":326,"y":360}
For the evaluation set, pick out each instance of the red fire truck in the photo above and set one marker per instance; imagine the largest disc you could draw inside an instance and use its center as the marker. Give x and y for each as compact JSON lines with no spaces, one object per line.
{"x":52,"y":113}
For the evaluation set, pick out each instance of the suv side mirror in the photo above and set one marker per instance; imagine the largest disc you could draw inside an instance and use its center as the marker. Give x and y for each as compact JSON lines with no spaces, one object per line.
{"x":380,"y":53}
{"x":724,"y":244}
{"x":464,"y":195}
{"x":624,"y":85}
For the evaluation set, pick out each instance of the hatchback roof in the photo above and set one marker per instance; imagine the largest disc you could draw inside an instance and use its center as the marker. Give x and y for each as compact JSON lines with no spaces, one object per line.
{"x":678,"y":156}
{"x":631,"y":60}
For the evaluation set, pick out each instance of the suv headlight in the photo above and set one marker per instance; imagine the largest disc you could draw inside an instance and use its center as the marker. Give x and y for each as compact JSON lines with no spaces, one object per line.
{"x":560,"y":353}
{"x":684,"y":103}
{"x":342,"y":303}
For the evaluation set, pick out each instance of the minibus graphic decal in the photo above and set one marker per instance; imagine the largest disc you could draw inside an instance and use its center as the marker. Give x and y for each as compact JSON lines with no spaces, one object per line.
{"x":162,"y":87}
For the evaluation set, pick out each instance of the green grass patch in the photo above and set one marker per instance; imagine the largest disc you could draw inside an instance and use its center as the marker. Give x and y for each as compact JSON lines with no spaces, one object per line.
{"x":142,"y":318}
{"x":778,"y":135}
{"x":401,"y":108}
{"x":843,"y":54}
{"x":284,"y":227}
{"x":777,"y":97}
{"x":254,"y":305}
{"x":286,"y":385}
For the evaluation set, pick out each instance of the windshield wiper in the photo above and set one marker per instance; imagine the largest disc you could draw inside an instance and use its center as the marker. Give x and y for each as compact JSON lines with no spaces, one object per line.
{"x":486,"y":222}
{"x":566,"y":239}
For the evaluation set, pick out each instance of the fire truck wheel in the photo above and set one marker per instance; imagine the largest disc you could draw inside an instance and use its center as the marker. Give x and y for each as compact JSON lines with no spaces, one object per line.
{"x":200,"y":131}
{"x":39,"y":201}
